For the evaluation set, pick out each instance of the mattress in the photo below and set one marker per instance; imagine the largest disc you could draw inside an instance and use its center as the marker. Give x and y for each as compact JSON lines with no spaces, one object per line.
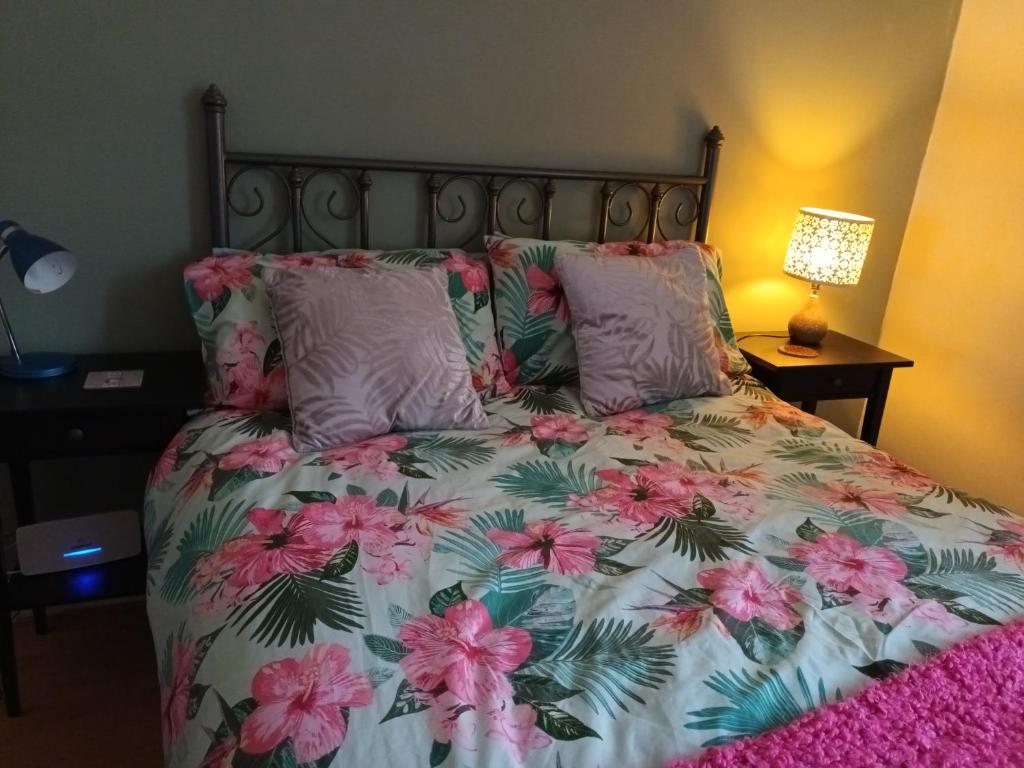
{"x":554,"y":590}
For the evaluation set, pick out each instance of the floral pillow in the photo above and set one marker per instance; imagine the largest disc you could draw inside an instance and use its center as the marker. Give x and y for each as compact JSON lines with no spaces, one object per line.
{"x":533,"y":317}
{"x":228,"y":299}
{"x":531,"y":310}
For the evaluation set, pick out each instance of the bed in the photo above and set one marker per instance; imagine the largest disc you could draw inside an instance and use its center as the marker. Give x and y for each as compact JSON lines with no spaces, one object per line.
{"x":730,"y":562}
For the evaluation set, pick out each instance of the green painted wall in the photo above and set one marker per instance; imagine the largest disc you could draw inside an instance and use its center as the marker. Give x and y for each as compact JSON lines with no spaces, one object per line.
{"x":824,"y":103}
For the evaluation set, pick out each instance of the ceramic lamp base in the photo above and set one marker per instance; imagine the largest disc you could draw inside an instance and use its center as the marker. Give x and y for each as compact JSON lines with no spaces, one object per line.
{"x":808,"y":326}
{"x":38,"y":365}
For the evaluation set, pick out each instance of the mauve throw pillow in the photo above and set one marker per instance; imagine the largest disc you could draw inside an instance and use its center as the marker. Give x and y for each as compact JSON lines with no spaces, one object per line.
{"x":367,"y":352}
{"x":643,"y":329}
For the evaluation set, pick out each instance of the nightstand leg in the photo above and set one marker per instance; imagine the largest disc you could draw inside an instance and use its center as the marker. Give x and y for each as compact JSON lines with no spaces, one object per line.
{"x":809,"y":406}
{"x":875,"y":407}
{"x":25,"y":510}
{"x":8,"y":672}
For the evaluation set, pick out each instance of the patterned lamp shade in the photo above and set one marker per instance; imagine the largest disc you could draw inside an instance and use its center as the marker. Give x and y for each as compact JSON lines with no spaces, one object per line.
{"x":828,"y":246}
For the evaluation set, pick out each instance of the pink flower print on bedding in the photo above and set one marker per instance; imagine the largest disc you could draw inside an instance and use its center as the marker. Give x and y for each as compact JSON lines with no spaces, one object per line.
{"x":304,"y":700}
{"x":463,"y":651}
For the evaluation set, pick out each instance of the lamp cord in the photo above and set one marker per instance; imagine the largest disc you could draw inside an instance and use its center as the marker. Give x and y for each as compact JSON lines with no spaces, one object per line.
{"x":762,"y":335}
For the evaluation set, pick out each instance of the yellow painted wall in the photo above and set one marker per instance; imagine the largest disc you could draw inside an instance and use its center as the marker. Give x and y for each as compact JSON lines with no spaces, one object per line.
{"x":957,"y":300}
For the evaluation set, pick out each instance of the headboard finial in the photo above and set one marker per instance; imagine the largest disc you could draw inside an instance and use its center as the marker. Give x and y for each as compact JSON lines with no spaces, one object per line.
{"x":214,"y":109}
{"x":715,"y":136}
{"x":212,"y":97}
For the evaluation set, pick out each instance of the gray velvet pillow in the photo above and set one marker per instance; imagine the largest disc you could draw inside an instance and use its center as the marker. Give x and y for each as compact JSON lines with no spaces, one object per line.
{"x":643,"y":329}
{"x":370,"y":351}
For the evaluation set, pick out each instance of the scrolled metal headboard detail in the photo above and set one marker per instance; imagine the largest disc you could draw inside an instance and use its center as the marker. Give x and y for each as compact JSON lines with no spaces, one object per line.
{"x":350,"y":181}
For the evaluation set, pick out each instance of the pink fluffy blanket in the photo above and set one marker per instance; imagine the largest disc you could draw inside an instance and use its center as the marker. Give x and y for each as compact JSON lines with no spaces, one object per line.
{"x":963,"y":707}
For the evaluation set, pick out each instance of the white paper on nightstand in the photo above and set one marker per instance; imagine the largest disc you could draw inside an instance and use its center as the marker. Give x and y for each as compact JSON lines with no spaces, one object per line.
{"x":113,"y":379}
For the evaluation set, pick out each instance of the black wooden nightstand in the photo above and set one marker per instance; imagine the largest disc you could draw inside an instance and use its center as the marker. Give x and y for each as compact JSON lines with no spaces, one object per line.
{"x":58,"y":418}
{"x":844,"y":369}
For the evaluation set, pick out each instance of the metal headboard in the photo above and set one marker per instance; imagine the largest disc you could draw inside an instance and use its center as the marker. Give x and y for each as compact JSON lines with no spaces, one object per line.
{"x":352,"y":176}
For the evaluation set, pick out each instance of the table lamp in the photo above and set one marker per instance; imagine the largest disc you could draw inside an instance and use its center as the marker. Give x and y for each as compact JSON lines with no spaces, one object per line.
{"x":42,"y":266}
{"x":827,"y":247}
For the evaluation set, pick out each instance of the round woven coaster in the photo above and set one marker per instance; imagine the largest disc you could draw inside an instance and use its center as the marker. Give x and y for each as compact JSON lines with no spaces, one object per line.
{"x":796,"y":350}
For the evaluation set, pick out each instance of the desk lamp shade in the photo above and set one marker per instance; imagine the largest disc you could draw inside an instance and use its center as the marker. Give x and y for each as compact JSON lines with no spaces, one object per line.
{"x":42,"y":266}
{"x":827,"y":247}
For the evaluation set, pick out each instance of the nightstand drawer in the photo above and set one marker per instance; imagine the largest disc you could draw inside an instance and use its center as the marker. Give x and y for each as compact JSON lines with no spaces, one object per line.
{"x":84,"y":433}
{"x":822,"y":383}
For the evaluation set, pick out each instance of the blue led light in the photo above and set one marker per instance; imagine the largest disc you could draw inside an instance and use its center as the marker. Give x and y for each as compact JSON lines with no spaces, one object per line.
{"x":84,"y":551}
{"x":85,"y":583}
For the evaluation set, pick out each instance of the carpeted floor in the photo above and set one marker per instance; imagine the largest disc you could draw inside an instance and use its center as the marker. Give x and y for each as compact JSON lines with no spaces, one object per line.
{"x":89,"y":692}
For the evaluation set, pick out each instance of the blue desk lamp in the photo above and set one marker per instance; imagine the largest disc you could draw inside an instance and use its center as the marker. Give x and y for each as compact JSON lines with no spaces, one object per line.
{"x":42,"y":266}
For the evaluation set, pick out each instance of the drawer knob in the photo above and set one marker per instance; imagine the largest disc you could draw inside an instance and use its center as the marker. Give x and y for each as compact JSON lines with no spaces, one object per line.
{"x":837,"y":382}
{"x":76,"y":434}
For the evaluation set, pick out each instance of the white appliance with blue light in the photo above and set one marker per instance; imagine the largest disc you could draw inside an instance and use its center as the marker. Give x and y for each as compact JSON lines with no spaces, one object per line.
{"x":62,"y":545}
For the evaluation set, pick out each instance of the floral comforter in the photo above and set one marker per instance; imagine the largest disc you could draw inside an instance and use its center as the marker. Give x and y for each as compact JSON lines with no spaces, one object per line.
{"x":552,"y":591}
